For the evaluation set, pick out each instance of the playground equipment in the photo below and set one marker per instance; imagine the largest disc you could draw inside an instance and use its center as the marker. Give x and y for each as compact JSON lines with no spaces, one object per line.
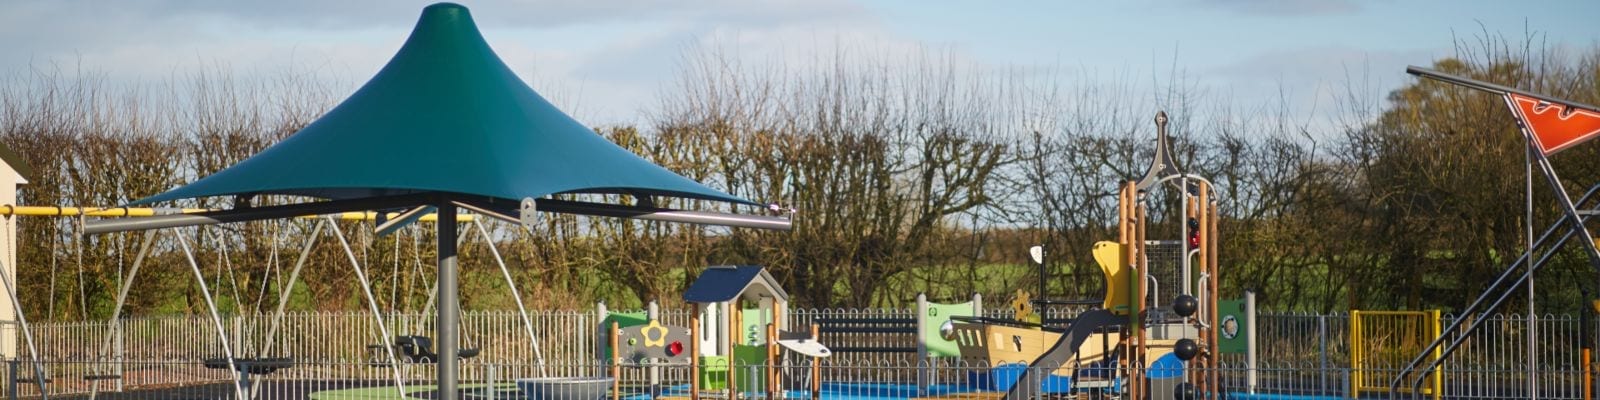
{"x":419,"y":349}
{"x":643,"y":342}
{"x":564,"y":388}
{"x":1379,"y":340}
{"x":1143,"y":345}
{"x":1548,"y":125}
{"x":409,"y":348}
{"x":446,"y":125}
{"x":734,"y":308}
{"x":738,"y":320}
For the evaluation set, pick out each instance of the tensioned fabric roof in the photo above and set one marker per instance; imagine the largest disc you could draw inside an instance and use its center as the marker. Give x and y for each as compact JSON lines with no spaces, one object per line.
{"x":445,"y":115}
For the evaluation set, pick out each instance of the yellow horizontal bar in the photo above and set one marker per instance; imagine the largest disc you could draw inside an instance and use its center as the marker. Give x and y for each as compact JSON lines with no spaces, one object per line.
{"x":54,"y":211}
{"x":1393,"y":313}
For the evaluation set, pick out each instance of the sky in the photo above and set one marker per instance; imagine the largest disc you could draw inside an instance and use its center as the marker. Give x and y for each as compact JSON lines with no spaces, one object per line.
{"x":610,"y":61}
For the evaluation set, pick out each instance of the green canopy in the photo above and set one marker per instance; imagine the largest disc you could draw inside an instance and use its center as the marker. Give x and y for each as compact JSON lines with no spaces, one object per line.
{"x":445,"y":124}
{"x":445,"y":115}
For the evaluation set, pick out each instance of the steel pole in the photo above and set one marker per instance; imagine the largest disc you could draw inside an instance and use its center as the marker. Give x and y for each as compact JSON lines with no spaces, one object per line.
{"x":449,"y":305}
{"x":1533,"y":326}
{"x":1490,"y":87}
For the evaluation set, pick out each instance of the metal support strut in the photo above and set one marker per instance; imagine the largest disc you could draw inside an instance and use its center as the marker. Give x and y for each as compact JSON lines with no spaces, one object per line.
{"x":447,"y":321}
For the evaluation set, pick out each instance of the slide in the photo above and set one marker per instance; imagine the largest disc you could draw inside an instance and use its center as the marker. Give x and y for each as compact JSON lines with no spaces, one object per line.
{"x":1062,"y":353}
{"x":1112,"y":257}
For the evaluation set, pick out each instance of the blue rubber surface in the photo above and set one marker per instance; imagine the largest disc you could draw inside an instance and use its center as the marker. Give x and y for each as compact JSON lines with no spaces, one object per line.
{"x":1275,"y":396}
{"x":844,"y":391}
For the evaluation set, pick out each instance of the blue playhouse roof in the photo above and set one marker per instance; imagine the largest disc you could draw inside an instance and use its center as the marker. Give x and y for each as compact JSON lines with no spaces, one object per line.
{"x":727,"y":282}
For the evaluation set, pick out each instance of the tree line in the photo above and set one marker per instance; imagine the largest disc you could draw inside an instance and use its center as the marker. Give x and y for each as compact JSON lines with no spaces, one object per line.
{"x":920,"y":174}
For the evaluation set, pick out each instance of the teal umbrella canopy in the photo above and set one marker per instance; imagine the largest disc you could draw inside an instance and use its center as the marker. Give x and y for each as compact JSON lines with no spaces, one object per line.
{"x":445,"y":115}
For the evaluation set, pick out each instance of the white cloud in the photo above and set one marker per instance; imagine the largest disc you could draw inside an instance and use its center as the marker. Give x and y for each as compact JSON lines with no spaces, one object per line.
{"x":603,"y":58}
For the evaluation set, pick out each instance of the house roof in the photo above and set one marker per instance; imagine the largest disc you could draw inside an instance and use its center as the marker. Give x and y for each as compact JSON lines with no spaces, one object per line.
{"x":727,"y":282}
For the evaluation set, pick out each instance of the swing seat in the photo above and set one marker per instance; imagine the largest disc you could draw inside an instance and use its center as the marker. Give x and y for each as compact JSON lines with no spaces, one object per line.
{"x":251,"y":365}
{"x":104,"y":377}
{"x":419,"y":349}
{"x":376,"y":356}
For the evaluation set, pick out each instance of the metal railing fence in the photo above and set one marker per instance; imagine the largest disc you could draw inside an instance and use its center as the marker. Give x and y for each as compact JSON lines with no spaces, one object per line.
{"x":795,"y":377}
{"x":153,"y":351}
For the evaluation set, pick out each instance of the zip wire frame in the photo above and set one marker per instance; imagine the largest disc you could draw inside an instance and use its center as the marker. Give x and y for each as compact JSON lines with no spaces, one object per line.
{"x":1501,"y":285}
{"x":27,"y":333}
{"x":1569,"y":210}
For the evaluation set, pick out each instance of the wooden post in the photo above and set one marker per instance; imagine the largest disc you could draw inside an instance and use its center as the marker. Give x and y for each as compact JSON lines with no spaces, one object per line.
{"x":1210,"y":241}
{"x":1588,"y":375}
{"x":772,"y":359}
{"x":694,"y":353}
{"x":616,"y":364}
{"x":1142,"y":275}
{"x":779,"y":321}
{"x":816,"y":366}
{"x":732,"y":307}
{"x":1125,"y":223}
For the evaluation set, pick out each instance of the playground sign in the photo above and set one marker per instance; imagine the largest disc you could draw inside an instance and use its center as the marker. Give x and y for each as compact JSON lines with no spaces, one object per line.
{"x":938,"y":316}
{"x":1232,"y":327}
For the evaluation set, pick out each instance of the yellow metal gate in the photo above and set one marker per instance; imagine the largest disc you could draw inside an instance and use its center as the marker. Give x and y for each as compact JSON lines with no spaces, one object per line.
{"x":1381,"y":342}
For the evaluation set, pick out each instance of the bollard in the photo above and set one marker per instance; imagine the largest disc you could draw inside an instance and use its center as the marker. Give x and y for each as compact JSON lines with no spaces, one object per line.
{"x":244,"y":379}
{"x":488,"y":376}
{"x":752,"y":377}
{"x":1322,"y":343}
{"x":11,"y":379}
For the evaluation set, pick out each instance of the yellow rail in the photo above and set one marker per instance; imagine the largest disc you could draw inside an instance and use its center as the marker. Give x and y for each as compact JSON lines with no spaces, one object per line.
{"x":54,"y":211}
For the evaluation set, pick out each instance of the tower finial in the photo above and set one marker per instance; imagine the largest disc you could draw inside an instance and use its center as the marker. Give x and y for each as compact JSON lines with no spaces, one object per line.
{"x":1162,"y":165}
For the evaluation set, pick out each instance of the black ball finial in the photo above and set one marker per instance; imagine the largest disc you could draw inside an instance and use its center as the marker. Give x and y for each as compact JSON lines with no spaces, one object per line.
{"x":1185,"y":305}
{"x":1184,"y":391}
{"x":1186,"y":349}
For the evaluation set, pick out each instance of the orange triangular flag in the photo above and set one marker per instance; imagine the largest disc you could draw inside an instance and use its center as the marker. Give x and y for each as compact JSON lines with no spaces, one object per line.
{"x":1554,"y":126}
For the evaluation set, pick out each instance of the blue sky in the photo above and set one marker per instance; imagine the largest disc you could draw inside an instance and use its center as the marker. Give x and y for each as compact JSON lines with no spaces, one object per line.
{"x":611,"y":61}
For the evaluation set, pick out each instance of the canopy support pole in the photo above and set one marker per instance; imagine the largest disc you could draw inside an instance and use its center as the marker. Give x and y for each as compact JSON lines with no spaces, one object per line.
{"x":448,"y":318}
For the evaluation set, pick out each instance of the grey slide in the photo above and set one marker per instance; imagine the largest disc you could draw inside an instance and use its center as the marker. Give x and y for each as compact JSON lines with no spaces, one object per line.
{"x":1065,"y":349}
